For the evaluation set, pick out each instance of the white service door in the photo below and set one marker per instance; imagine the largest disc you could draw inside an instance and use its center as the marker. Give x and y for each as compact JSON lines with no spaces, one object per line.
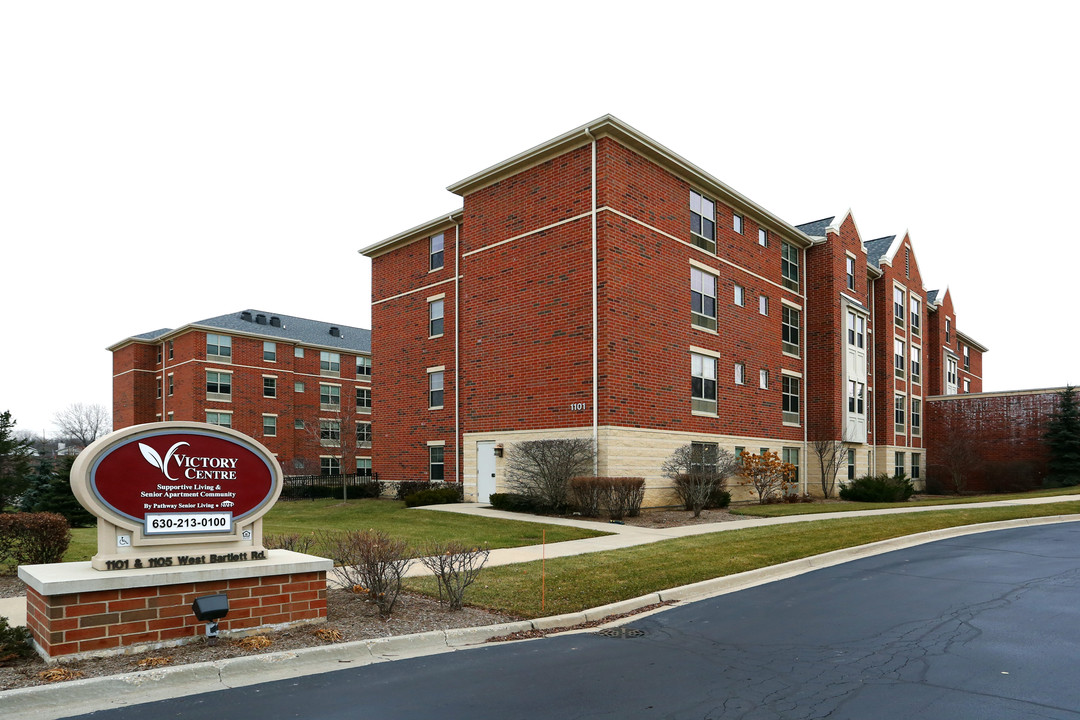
{"x":485,"y":471}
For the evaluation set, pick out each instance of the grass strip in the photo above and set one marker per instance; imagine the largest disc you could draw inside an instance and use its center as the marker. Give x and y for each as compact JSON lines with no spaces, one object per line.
{"x":784,"y":510}
{"x":586,"y":581}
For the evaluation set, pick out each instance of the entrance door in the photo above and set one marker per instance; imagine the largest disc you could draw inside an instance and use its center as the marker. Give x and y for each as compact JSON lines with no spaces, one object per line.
{"x":485,"y":471}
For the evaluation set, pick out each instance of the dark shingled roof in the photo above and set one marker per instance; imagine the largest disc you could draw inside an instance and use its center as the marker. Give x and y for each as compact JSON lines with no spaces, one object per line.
{"x":816,"y":228}
{"x":876,"y":248}
{"x":931,"y":297}
{"x":300,"y":330}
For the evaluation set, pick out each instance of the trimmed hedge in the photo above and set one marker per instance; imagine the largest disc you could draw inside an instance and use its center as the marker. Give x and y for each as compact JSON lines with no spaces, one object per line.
{"x":434,"y":496}
{"x":512,"y":502}
{"x":33,"y":538}
{"x":878,"y":488}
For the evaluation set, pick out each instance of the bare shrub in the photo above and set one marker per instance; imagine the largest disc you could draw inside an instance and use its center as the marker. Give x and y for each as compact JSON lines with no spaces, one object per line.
{"x":831,"y":456}
{"x":295,"y":542}
{"x":623,"y":496}
{"x":586,"y":493}
{"x":455,"y":567}
{"x":33,"y":538}
{"x":369,"y":562}
{"x":541,"y":469}
{"x":699,"y":471}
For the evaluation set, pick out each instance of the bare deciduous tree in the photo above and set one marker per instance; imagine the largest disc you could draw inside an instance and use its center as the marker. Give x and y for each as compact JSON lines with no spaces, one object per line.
{"x":541,"y":469}
{"x":831,"y":456}
{"x":956,"y":455}
{"x":83,"y":424}
{"x":698,"y":471}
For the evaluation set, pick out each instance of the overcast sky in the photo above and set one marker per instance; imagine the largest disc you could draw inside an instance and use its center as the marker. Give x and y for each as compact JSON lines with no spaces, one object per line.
{"x":162,"y":163}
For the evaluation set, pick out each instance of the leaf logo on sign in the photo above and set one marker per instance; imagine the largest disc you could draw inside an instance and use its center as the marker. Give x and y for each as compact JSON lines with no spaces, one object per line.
{"x":151,"y":456}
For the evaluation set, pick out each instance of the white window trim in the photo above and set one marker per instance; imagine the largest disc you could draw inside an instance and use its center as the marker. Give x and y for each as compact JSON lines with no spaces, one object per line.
{"x":436,"y":443}
{"x":792,"y":305}
{"x":703,"y":351}
{"x":791,"y":373}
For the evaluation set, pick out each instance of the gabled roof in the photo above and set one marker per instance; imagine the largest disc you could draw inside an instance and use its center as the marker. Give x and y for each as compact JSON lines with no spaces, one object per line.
{"x":931,"y":297}
{"x":878,"y":248}
{"x":816,"y":228}
{"x":272,"y":326}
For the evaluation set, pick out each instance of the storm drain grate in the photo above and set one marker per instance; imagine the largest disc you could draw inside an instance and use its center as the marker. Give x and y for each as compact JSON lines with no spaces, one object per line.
{"x":621,"y":632}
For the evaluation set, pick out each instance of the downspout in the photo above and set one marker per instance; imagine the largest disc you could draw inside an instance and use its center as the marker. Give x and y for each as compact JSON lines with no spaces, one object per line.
{"x":164,"y":380}
{"x":805,"y":377}
{"x":459,"y":465}
{"x":872,"y":417}
{"x":595,"y":324}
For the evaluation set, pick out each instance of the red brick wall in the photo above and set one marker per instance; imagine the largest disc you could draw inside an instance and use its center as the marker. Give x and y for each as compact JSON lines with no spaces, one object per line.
{"x":108,"y":619}
{"x":1004,"y":432}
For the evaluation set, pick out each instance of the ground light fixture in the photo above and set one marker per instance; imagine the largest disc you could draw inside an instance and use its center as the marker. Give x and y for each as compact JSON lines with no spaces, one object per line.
{"x":209,"y":609}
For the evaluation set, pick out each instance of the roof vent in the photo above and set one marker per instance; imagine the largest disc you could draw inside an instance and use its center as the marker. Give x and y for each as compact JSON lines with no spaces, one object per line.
{"x":335,"y":331}
{"x":260,"y":319}
{"x":275,"y":321}
{"x":246,"y":316}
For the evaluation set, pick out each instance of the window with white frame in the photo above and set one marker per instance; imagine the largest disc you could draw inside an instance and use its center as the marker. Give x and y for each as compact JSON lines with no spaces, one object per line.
{"x":363,"y":434}
{"x":702,"y":383}
{"x":218,"y":385}
{"x":898,"y":414}
{"x":763,"y":237}
{"x":967,"y":385}
{"x":218,"y":347}
{"x":329,"y":397}
{"x":298,"y":352}
{"x":170,"y":349}
{"x":916,"y":316}
{"x":740,"y":296}
{"x":951,"y":373}
{"x":435,"y":389}
{"x":789,"y":330}
{"x":436,"y":463}
{"x":329,"y":466}
{"x":740,"y":374}
{"x":269,"y":423}
{"x":330,"y":432}
{"x":298,"y":423}
{"x":435,"y":318}
{"x":330,"y":363}
{"x":737,"y":223}
{"x":898,"y":306}
{"x":856,"y":330}
{"x":702,"y":299}
{"x":899,"y":362}
{"x":916,"y":416}
{"x":967,"y":358}
{"x":298,"y":386}
{"x":159,"y":386}
{"x":850,"y":464}
{"x":850,"y":273}
{"x":363,"y":367}
{"x":916,"y":363}
{"x":170,"y":384}
{"x":702,"y":222}
{"x":791,"y":457}
{"x":224,"y":419}
{"x":436,"y":254}
{"x":763,"y":379}
{"x":898,"y":465}
{"x":269,"y":351}
{"x":856,"y":397}
{"x":159,"y":354}
{"x":789,"y":266}
{"x":363,"y":400}
{"x":763,"y":304}
{"x":703,"y":457}
{"x":948,"y":330}
{"x":789,"y":398}
{"x":363,"y":467}
{"x":916,"y":462}
{"x":269,"y":386}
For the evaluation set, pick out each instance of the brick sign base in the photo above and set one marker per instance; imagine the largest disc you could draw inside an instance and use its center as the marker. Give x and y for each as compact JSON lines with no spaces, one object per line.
{"x":74,"y":611}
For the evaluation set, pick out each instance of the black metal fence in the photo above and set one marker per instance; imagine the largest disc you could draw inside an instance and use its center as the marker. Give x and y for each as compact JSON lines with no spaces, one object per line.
{"x":341,"y":486}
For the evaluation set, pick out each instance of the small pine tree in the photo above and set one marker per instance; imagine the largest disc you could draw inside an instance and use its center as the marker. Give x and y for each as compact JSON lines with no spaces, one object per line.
{"x":15,"y":462}
{"x":1062,"y":436}
{"x":51,"y":492}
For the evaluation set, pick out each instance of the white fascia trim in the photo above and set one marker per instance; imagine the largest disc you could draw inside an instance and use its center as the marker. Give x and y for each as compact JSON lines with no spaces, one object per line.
{"x":422,"y":231}
{"x":704,"y":351}
{"x":855,"y":304}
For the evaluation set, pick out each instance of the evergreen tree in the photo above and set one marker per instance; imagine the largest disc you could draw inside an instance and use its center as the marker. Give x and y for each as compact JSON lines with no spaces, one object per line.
{"x":1063,"y":438}
{"x":15,"y":462}
{"x":51,"y":492}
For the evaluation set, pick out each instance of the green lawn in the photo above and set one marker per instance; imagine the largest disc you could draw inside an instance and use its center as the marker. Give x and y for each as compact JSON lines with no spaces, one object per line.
{"x":414,"y":526}
{"x":585,"y":581}
{"x":783,"y":510}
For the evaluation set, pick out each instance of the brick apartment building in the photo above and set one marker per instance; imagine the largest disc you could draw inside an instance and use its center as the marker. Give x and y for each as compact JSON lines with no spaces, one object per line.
{"x":601,"y":286}
{"x":298,"y":386}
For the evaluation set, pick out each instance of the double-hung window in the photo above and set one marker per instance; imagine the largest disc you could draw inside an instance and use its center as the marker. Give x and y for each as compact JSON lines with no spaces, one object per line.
{"x":791,"y":457}
{"x":435,"y":389}
{"x":763,"y":237}
{"x":898,"y":468}
{"x":435,"y":318}
{"x":269,"y":423}
{"x":223,"y":419}
{"x":790,"y":399}
{"x":436,"y":252}
{"x":437,"y":462}
{"x":898,"y":405}
{"x":218,"y":347}
{"x":916,"y":416}
{"x":856,"y":399}
{"x":740,"y":373}
{"x":916,"y":316}
{"x":363,"y":434}
{"x":329,"y":397}
{"x":330,"y":363}
{"x":951,"y":372}
{"x":269,"y":386}
{"x":948,"y":330}
{"x":363,"y":467}
{"x":269,"y":351}
{"x":916,"y":462}
{"x":218,"y":385}
{"x":329,"y":432}
{"x":898,"y":307}
{"x":763,"y":379}
{"x":363,"y":400}
{"x":702,"y":222}
{"x":789,"y":266}
{"x":916,"y":364}
{"x":703,"y":383}
{"x":702,"y":299}
{"x":789,"y":330}
{"x":850,"y":464}
{"x":363,"y":367}
{"x":737,"y":223}
{"x":850,"y":273}
{"x":856,"y":330}
{"x":967,"y":358}
{"x":899,"y":361}
{"x":763,"y":304}
{"x":329,"y":466}
{"x":740,"y":296}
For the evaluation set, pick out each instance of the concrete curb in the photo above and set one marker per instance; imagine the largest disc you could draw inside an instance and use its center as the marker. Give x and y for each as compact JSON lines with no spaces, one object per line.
{"x":83,"y":696}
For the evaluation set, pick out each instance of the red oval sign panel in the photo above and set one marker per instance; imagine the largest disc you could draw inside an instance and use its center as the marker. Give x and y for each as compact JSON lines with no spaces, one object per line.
{"x":177,"y":475}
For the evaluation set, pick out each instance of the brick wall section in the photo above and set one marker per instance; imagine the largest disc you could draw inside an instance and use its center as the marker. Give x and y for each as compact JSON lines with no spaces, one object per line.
{"x":1005,"y":429}
{"x":105,"y":620}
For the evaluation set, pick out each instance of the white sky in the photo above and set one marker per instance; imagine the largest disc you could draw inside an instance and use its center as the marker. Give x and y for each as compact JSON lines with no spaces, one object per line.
{"x":161,"y":163}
